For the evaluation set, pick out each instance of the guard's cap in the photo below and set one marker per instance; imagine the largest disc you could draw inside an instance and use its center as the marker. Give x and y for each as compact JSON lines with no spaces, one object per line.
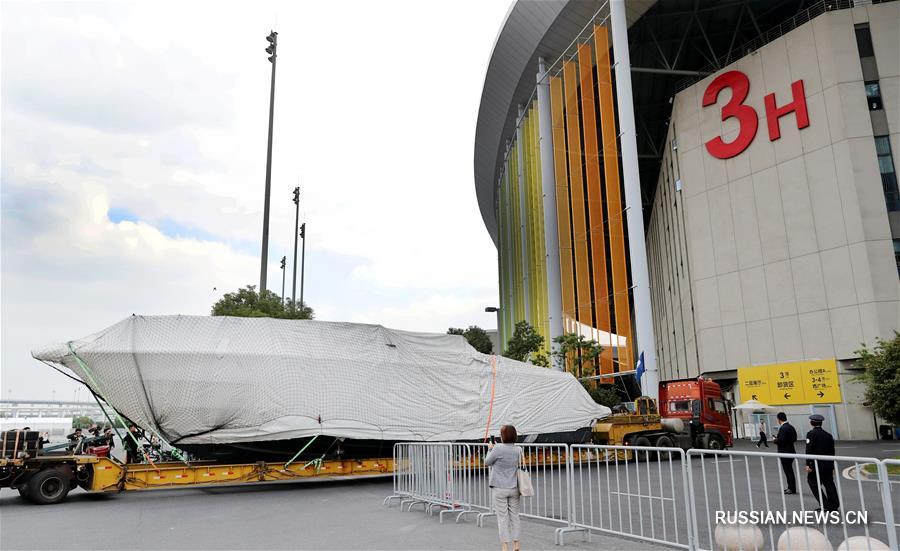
{"x":816,"y":417}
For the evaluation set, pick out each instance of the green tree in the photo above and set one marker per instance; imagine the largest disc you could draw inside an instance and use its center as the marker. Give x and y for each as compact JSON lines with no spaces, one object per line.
{"x":247,"y":303}
{"x":82,"y":422}
{"x":605,"y":395}
{"x":576,"y":350}
{"x":882,"y":377}
{"x":540,"y":359}
{"x":526,"y":343}
{"x":476,"y":336}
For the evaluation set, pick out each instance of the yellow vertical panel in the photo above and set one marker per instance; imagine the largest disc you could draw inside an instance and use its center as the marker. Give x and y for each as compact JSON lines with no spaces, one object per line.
{"x":536,"y":233}
{"x":576,"y":189}
{"x":529,"y":221}
{"x":520,"y":228}
{"x":539,"y":215}
{"x":564,"y":228}
{"x":597,"y":233}
{"x":613,"y":195}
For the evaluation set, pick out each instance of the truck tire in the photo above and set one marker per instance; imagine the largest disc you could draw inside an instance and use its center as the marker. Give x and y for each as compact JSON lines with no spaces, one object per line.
{"x":23,"y":492}
{"x":715,"y":442}
{"x":49,"y":486}
{"x":665,"y":441}
{"x":642,"y":455}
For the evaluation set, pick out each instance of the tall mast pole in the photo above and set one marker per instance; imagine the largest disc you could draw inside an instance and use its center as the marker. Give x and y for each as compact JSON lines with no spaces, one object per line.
{"x":264,"y":257}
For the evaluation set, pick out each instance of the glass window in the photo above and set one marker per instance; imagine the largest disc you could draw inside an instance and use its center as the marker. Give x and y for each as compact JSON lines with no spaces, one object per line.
{"x":897,"y":254}
{"x":683,"y":406}
{"x":864,"y":41}
{"x":888,"y":173}
{"x":873,"y":94}
{"x":719,"y":406}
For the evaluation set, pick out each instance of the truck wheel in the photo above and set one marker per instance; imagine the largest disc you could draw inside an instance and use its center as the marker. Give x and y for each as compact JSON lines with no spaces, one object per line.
{"x":715,"y":442}
{"x":642,"y":455}
{"x":48,"y":486}
{"x":665,"y":441}
{"x":23,"y":492}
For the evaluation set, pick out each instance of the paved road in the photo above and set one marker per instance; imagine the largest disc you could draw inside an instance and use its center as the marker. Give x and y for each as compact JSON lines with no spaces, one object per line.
{"x":338,"y":515}
{"x":650,"y":499}
{"x":350,"y":515}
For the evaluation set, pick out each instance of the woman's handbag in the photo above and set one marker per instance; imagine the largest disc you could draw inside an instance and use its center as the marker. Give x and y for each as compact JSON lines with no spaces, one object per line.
{"x":524,"y":479}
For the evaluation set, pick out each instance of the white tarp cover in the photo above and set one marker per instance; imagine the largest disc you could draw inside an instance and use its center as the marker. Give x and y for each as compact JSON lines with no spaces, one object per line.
{"x":197,"y":380}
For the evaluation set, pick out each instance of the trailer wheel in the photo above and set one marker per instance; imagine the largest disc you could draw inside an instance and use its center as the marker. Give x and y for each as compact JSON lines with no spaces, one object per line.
{"x":48,"y":486}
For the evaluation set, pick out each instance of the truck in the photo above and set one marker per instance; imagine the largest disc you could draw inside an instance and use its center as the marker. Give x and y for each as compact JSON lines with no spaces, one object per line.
{"x":692,"y":413}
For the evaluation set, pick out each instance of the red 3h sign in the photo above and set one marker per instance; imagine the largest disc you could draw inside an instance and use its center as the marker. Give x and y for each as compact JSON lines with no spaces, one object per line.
{"x":746,"y":115}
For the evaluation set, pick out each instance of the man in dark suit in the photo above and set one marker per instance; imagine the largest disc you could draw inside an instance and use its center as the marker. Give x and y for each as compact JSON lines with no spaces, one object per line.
{"x":821,"y":472}
{"x":785,"y":439}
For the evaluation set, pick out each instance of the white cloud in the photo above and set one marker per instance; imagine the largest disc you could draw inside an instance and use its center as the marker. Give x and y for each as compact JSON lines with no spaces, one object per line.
{"x":160,"y":110}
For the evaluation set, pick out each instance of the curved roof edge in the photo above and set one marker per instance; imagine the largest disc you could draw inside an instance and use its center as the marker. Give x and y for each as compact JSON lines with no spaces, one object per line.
{"x":531,"y":30}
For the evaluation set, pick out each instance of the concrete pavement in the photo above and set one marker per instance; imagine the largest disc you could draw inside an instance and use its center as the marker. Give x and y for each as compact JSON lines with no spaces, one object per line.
{"x":333,"y":515}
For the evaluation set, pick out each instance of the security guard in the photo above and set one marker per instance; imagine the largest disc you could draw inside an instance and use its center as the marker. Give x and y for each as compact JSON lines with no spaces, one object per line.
{"x":821,"y":472}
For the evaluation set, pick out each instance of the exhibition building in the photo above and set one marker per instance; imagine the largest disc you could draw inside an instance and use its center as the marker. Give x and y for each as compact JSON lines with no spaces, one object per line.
{"x":703,"y":188}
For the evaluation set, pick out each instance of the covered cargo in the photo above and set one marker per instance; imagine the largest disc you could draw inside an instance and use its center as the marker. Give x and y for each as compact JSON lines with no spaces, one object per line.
{"x":202,"y":382}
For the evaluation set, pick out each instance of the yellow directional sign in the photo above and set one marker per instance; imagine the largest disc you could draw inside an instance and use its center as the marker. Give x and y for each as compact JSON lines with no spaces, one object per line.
{"x":809,"y":382}
{"x":754,"y":382}
{"x":786,"y":384}
{"x":821,"y":382}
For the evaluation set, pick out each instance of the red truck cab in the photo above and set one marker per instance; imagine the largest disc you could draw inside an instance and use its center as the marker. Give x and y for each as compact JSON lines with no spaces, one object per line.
{"x":700,"y":404}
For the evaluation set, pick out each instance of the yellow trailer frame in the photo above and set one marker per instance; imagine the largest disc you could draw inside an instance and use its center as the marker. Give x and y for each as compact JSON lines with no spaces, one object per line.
{"x":102,"y":474}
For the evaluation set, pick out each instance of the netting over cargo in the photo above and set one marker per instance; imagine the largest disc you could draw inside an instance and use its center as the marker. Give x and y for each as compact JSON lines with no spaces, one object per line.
{"x":196,"y":379}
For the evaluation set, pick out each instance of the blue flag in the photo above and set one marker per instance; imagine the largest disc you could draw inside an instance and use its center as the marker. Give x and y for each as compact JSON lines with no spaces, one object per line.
{"x":639,"y":370}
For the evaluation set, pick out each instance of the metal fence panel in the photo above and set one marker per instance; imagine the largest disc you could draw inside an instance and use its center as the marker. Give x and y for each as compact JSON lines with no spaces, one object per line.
{"x":722,"y":484}
{"x":629,"y":491}
{"x":663,"y":495}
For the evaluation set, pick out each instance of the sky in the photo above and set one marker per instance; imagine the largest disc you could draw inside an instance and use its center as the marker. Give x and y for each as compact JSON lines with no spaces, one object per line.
{"x":133,"y":151}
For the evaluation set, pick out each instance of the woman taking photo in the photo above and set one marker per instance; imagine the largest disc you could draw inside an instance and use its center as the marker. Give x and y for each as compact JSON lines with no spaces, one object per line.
{"x":504,"y":462}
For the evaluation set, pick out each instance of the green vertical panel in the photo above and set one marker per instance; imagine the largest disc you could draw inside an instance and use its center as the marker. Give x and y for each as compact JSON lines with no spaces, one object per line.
{"x":517,"y":235}
{"x":508,"y":300}
{"x":501,"y":262}
{"x":526,"y":188}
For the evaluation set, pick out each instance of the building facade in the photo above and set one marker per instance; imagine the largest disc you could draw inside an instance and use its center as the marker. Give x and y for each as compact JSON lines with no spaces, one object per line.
{"x":770,"y":214}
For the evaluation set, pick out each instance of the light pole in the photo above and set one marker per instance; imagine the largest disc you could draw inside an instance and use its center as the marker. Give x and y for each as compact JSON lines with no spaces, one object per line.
{"x":283,"y":272}
{"x":302,"y":261}
{"x":264,"y":257}
{"x":489,"y":310}
{"x":296,"y":234}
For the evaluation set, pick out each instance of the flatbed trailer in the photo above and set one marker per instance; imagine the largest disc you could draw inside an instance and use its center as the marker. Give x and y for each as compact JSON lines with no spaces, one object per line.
{"x":47,"y":479}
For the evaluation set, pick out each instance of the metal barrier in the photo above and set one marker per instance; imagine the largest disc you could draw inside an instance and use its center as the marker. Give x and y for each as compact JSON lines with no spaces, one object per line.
{"x":730,"y":488}
{"x":549,"y":467}
{"x":423,"y":475}
{"x":628,"y":491}
{"x":691,"y":500}
{"x":547,"y":464}
{"x":471,"y":491}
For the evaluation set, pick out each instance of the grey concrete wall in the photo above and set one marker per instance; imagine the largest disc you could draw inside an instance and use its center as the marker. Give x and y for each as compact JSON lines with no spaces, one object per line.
{"x":787,"y":247}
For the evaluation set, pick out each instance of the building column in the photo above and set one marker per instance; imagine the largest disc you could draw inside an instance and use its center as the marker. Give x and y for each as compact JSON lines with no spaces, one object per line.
{"x":523,"y":220}
{"x":548,"y":191}
{"x":645,"y":340}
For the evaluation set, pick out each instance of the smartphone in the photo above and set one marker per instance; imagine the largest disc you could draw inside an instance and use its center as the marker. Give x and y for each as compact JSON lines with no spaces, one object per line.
{"x":493,"y":439}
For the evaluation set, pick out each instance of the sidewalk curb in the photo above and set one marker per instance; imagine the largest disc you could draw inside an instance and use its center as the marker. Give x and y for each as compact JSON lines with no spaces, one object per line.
{"x":860,"y":470}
